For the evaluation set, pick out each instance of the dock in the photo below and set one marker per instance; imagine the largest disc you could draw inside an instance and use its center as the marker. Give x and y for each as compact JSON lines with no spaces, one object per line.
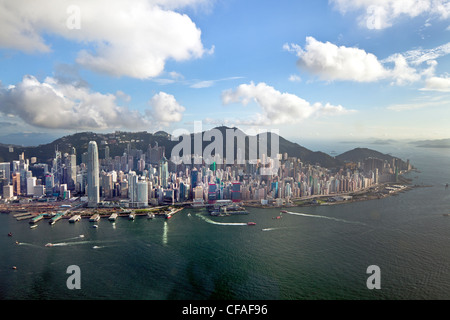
{"x":95,"y":217}
{"x":113,"y":217}
{"x":75,"y":218}
{"x":37,"y":218}
{"x":56,"y":218}
{"x":23,"y":216}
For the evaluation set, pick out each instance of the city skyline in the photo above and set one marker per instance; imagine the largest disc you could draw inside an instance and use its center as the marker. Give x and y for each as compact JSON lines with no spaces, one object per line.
{"x":373,"y":70}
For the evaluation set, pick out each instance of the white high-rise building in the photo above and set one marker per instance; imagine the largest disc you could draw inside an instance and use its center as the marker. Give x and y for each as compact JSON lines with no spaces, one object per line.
{"x":31,"y":183}
{"x":93,"y":177}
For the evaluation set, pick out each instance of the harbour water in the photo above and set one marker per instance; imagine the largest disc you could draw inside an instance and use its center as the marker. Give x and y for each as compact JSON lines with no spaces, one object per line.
{"x":320,"y":252}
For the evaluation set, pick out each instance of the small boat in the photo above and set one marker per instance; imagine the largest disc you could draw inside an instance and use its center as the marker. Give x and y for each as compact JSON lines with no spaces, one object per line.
{"x":14,"y":268}
{"x":10,"y":234}
{"x":33,"y":226}
{"x":150,"y":215}
{"x":279,"y":217}
{"x":283,"y":211}
{"x":131,"y":216}
{"x":95,"y":226}
{"x":49,"y":244}
{"x":251,"y":223}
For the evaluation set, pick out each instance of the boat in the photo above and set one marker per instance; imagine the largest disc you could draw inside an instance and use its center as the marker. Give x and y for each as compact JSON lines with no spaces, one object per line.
{"x":33,"y":226}
{"x":10,"y":234}
{"x":95,"y":226}
{"x":14,"y":268}
{"x":283,"y":211}
{"x":95,"y":218}
{"x":251,"y":223}
{"x":113,"y":217}
{"x":150,"y":215}
{"x":278,"y":217}
{"x":131,"y":216}
{"x":49,"y":244}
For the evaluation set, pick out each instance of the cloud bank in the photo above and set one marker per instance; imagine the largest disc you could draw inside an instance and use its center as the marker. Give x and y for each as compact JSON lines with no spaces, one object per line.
{"x":121,"y":38}
{"x":276,"y":107}
{"x":330,"y":62}
{"x":54,"y":105}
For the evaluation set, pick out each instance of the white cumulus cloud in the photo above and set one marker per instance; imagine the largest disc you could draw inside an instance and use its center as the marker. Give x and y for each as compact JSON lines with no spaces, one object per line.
{"x":164,"y":109}
{"x":117,"y":37}
{"x":54,"y":105}
{"x":330,"y":62}
{"x":381,"y":14}
{"x":441,"y":84}
{"x":277,"y":107}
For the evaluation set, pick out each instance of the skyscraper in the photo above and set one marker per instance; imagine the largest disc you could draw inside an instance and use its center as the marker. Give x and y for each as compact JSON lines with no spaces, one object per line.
{"x":93,"y":178}
{"x":163,"y":172}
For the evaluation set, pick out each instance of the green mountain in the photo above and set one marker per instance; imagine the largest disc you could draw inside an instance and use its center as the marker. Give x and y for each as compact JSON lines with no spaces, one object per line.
{"x":119,"y":141}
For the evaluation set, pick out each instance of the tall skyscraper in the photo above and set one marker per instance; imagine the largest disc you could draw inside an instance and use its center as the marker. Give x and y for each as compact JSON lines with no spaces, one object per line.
{"x":163,"y":172}
{"x":93,"y":177}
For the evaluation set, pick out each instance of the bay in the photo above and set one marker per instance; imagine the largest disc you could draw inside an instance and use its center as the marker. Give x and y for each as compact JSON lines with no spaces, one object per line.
{"x":320,"y":252}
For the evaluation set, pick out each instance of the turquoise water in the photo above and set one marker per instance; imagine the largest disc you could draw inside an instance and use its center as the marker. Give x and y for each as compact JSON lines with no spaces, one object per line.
{"x":312,"y":253}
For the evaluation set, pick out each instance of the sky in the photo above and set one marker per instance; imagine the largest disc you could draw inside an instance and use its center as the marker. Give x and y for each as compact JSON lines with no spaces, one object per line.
{"x":326,"y":70}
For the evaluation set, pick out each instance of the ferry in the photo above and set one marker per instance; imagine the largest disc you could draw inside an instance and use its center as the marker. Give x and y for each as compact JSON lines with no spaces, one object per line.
{"x":95,"y":218}
{"x":131,"y":216}
{"x":33,"y":226}
{"x":49,"y":244}
{"x":278,"y":217}
{"x":251,"y":223}
{"x":283,"y":211}
{"x":113,"y":217}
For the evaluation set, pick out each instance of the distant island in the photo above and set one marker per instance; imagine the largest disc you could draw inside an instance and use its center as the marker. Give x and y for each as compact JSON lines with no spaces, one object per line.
{"x":441,"y":143}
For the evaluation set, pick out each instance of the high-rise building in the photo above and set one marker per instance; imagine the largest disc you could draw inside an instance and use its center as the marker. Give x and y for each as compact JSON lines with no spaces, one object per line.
{"x":93,"y":177}
{"x":164,"y":172}
{"x":236,"y":192}
{"x":31,"y":183}
{"x":16,"y":183}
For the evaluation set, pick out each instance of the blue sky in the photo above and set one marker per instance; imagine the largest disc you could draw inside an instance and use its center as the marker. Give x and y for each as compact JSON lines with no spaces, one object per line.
{"x":328,"y":70}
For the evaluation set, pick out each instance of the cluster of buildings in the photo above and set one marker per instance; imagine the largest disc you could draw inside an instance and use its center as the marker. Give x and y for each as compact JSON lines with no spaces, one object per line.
{"x":143,"y":178}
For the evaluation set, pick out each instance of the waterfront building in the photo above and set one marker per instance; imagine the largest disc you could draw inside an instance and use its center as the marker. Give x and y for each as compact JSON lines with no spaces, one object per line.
{"x":8,"y":191}
{"x":31,"y":183}
{"x":93,"y":175}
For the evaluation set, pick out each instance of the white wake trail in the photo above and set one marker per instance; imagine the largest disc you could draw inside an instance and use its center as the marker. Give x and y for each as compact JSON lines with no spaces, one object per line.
{"x":220,"y":223}
{"x":325,"y":217}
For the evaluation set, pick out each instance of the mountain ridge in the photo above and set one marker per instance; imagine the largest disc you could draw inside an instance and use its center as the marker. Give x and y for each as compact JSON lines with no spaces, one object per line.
{"x":118,"y":141}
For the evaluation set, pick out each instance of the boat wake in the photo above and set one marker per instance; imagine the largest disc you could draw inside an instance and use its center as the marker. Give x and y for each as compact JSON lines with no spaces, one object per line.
{"x":221,"y":223}
{"x":325,"y":217}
